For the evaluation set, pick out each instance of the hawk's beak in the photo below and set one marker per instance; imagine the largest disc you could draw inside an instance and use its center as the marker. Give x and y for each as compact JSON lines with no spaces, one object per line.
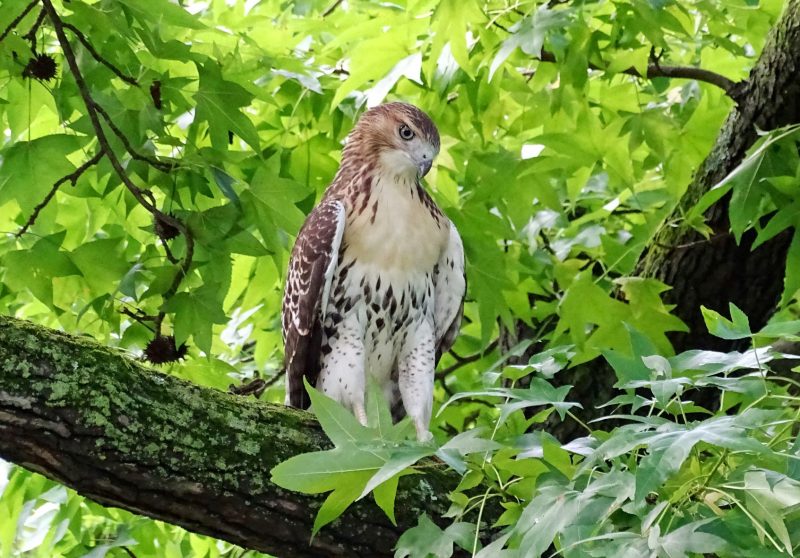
{"x":424,"y":167}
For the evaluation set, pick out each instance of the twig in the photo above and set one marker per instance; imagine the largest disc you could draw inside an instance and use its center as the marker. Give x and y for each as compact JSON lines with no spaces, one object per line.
{"x":144,"y":197}
{"x":331,"y":8}
{"x":17,"y":19}
{"x":684,"y":246}
{"x":72,"y":177}
{"x":97,"y":56}
{"x":138,"y":315}
{"x":462,"y":361}
{"x":256,"y":387}
{"x":31,"y":34}
{"x":654,"y":69}
{"x":152,"y":161}
{"x":168,"y":252}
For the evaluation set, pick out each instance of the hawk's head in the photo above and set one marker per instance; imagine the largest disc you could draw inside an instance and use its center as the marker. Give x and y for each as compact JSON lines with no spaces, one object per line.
{"x":402,"y":138}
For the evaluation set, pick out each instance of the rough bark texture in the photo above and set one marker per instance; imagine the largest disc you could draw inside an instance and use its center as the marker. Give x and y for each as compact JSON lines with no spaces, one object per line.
{"x":127,"y":436}
{"x":715,"y":272}
{"x":718,"y":271}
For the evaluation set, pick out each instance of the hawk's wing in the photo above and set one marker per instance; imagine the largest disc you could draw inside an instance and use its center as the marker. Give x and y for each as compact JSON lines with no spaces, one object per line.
{"x":450,"y":287}
{"x":313,"y":262}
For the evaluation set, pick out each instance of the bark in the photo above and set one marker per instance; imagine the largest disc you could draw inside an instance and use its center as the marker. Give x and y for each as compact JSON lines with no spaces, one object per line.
{"x":719,"y":271}
{"x":127,"y":436}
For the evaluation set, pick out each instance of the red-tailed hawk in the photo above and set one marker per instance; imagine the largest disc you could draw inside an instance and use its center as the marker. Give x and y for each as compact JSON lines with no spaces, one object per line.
{"x":376,"y":278}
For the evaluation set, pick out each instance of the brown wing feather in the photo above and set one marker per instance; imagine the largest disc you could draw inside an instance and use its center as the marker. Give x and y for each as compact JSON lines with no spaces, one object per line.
{"x":450,"y":288}
{"x":311,"y":265}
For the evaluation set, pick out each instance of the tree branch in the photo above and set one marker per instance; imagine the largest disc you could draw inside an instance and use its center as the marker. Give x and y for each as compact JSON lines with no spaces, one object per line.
{"x":462,"y":361}
{"x":732,"y":88}
{"x":332,"y":8}
{"x":97,"y":56}
{"x":129,"y":437}
{"x":10,"y":27}
{"x":126,"y":436}
{"x":31,"y":34}
{"x":152,"y":161}
{"x":72,"y":177}
{"x":144,"y":197}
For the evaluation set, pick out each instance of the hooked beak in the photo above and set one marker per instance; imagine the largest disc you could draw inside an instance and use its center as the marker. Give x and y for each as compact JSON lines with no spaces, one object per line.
{"x":424,"y":167}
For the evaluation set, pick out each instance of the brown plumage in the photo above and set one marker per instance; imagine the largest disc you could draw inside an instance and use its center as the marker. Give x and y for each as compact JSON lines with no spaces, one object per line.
{"x":376,"y":279}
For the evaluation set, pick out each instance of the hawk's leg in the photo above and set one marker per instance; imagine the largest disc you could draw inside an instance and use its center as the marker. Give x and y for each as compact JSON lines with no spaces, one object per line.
{"x":415,"y":378}
{"x":342,"y":370}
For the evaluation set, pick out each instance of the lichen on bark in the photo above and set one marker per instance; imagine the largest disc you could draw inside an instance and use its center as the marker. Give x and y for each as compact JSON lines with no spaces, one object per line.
{"x":125,"y":435}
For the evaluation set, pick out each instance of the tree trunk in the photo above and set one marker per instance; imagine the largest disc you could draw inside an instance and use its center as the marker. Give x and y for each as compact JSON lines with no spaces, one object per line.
{"x":126,"y":436}
{"x":718,"y":271}
{"x":714,"y":272}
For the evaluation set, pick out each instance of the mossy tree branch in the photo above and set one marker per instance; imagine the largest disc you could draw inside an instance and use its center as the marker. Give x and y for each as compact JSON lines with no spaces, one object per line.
{"x":127,"y":436}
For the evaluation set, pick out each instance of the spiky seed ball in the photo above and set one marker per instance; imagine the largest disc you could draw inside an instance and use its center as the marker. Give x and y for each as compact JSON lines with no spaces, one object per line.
{"x":42,"y":67}
{"x":164,"y":230}
{"x":162,"y":349}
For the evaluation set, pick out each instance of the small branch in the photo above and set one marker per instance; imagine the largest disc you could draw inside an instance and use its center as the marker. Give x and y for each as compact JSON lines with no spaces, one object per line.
{"x":17,"y":19}
{"x":686,"y":245}
{"x":97,"y":56}
{"x":144,"y":197}
{"x":462,"y":361}
{"x":31,"y":34}
{"x":152,"y":161}
{"x":654,"y":69}
{"x":256,"y":387}
{"x":71,"y":177}
{"x":168,"y":252}
{"x":331,"y":8}
{"x":138,"y":315}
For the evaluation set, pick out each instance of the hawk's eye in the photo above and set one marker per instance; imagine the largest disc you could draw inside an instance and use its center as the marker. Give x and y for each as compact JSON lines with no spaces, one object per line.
{"x":406,"y":133}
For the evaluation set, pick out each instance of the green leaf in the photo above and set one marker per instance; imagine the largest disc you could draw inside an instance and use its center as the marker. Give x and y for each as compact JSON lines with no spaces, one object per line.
{"x":736,"y":328}
{"x":787,"y":216}
{"x":791,"y":281}
{"x":334,"y":505}
{"x":529,"y":34}
{"x":102,"y":263}
{"x":400,"y":460}
{"x":35,"y":269}
{"x":424,"y":540}
{"x":384,"y":495}
{"x":771,"y":497}
{"x":379,"y":416}
{"x":218,"y":103}
{"x":339,"y":424}
{"x":669,"y":450}
{"x":195,"y":313}
{"x":28,"y":169}
{"x":163,"y":10}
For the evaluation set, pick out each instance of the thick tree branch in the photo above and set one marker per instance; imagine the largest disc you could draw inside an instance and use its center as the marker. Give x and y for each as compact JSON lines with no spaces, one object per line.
{"x":129,"y":437}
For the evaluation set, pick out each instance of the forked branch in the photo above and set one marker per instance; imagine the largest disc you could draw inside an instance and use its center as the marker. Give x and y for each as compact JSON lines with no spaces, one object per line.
{"x":144,"y":197}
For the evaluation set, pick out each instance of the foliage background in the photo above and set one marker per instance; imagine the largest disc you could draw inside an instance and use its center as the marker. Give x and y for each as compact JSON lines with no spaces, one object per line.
{"x":557,"y":174}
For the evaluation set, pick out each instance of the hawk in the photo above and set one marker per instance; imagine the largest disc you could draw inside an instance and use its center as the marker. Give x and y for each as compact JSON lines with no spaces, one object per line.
{"x":376,"y":278}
